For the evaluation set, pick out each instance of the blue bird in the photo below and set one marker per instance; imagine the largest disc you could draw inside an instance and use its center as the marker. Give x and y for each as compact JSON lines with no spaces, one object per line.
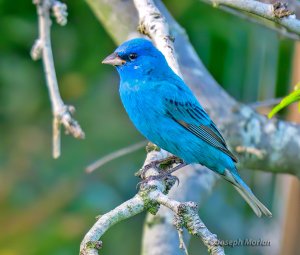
{"x":165,"y":111}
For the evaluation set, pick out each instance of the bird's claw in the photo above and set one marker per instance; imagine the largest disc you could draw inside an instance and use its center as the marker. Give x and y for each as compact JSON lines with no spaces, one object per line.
{"x":173,"y":179}
{"x":170,"y":179}
{"x":156,"y":165}
{"x":166,"y":175}
{"x":145,"y":181}
{"x":142,"y":172}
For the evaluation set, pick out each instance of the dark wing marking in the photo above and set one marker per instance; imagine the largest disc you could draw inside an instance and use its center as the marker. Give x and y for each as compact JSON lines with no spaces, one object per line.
{"x":195,"y":119}
{"x":214,"y":133}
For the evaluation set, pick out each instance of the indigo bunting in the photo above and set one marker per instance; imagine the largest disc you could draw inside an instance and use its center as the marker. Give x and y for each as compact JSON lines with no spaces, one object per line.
{"x":165,"y":111}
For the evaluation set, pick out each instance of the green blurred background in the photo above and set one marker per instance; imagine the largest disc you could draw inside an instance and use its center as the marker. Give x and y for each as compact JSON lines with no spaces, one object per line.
{"x":47,"y":205}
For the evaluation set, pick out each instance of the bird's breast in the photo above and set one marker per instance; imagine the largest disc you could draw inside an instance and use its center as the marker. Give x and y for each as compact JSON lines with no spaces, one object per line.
{"x":143,"y":107}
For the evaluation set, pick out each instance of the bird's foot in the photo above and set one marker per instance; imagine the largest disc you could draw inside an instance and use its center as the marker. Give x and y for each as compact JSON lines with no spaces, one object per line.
{"x":142,"y":172}
{"x":171,"y":179}
{"x":169,"y":161}
{"x":166,"y":175}
{"x":158,"y":165}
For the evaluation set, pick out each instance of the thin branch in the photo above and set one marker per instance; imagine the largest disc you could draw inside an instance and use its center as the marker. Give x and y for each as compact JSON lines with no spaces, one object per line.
{"x":182,"y":244}
{"x":196,"y":184}
{"x":253,"y":19}
{"x":62,"y":114}
{"x":151,"y":195}
{"x":186,"y":215}
{"x":91,"y":242}
{"x":114,"y":155}
{"x":153,"y":24}
{"x":277,"y":12}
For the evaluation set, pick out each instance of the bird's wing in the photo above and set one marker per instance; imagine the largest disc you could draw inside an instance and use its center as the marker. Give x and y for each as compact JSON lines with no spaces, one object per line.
{"x":193,"y":118}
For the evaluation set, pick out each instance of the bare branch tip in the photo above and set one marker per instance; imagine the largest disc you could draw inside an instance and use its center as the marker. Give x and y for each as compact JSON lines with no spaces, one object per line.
{"x":182,"y":244}
{"x":60,"y":13}
{"x":71,"y":125}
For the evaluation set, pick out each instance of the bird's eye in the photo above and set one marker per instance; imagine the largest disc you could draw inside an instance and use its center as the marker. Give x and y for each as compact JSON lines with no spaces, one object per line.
{"x":132,"y":56}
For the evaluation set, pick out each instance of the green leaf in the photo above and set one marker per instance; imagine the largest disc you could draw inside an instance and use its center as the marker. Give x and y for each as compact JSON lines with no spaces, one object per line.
{"x":291,"y":98}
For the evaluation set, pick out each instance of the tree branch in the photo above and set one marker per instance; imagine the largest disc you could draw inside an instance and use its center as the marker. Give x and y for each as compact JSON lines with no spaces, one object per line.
{"x":257,"y":20}
{"x":150,"y":196}
{"x":277,"y":12}
{"x":91,"y":243}
{"x":153,"y":24}
{"x":62,"y":114}
{"x":186,"y":216}
{"x":196,"y":184}
{"x":114,"y":155}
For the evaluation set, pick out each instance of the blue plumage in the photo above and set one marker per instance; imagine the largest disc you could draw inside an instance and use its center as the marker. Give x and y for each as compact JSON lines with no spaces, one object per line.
{"x":167,"y":113}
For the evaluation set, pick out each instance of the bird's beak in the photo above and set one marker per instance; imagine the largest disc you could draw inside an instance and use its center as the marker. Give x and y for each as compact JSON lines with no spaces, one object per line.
{"x":114,"y":60}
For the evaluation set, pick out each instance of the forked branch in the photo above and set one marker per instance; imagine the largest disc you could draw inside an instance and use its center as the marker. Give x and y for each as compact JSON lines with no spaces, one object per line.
{"x":150,"y":197}
{"x":277,"y":12}
{"x":62,"y":114}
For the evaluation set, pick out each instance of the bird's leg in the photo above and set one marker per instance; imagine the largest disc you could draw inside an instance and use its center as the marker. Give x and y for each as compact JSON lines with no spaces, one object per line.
{"x":172,"y":170}
{"x":165,"y":174}
{"x":158,"y":164}
{"x":169,"y":161}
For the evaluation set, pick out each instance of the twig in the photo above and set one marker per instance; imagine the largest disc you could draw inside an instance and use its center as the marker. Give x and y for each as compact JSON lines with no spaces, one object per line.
{"x":253,"y":18}
{"x":62,"y":114}
{"x":153,"y":24}
{"x":114,"y":155}
{"x":277,"y":12}
{"x":91,"y":243}
{"x":181,"y":241}
{"x":186,"y":216}
{"x":150,"y":196}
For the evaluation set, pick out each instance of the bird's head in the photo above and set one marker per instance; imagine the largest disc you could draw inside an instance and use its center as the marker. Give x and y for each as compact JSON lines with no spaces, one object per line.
{"x":136,"y":58}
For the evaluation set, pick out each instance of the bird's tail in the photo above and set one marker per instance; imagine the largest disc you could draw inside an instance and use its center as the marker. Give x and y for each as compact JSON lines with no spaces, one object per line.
{"x":246,"y":193}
